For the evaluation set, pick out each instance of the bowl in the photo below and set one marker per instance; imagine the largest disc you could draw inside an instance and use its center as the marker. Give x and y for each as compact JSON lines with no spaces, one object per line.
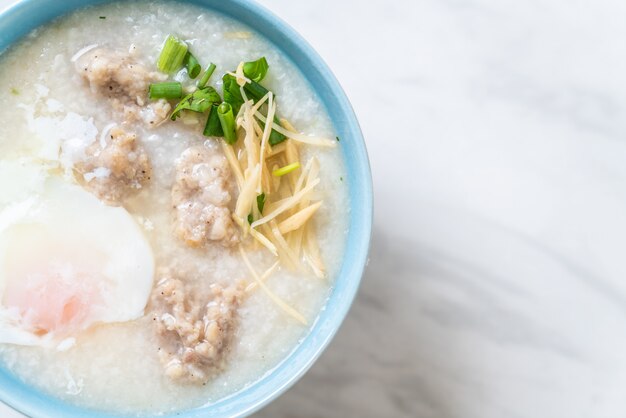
{"x":20,"y":19}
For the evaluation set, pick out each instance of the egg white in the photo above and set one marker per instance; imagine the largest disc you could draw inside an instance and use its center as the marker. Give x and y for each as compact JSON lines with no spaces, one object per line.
{"x":67,"y":261}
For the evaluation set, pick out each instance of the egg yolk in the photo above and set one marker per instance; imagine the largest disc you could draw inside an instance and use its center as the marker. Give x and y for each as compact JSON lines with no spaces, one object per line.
{"x":54,"y":286}
{"x":52,"y":302}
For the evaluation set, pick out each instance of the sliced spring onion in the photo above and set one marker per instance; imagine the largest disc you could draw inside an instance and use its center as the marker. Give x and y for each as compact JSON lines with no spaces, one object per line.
{"x":199,"y":101}
{"x":192,"y":64}
{"x":286,"y":169}
{"x":255,"y":91}
{"x":205,"y":77}
{"x":256,"y":70}
{"x":213,"y":125}
{"x":166,"y":90}
{"x":172,"y":55}
{"x":232,"y":94}
{"x":260,"y":202}
{"x":227,"y":120}
{"x":275,"y":136}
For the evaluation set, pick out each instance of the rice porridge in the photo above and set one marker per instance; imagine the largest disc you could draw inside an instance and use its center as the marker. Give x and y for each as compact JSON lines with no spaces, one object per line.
{"x":168,"y":234}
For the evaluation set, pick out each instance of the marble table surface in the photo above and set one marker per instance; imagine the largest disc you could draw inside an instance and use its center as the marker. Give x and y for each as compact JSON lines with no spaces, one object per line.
{"x":497,"y":136}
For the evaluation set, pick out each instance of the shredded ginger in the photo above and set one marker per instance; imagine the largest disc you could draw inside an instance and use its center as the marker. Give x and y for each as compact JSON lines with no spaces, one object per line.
{"x":283,"y":227}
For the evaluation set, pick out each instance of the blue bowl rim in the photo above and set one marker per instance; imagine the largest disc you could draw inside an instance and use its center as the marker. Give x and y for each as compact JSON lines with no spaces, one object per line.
{"x":19,"y":19}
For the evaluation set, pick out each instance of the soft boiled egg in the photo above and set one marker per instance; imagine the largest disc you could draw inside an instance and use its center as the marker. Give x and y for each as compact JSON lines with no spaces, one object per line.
{"x":67,"y":260}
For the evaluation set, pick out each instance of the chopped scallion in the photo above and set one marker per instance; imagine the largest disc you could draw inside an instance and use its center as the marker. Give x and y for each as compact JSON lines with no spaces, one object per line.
{"x":256,"y":70}
{"x":172,"y":55}
{"x":192,"y":64}
{"x":232,"y":94}
{"x":213,"y":125}
{"x":275,"y":136}
{"x":260,"y":202}
{"x":227,"y":120}
{"x":166,"y":90}
{"x":205,"y":77}
{"x":199,"y":101}
{"x":255,"y":90}
{"x":286,"y":169}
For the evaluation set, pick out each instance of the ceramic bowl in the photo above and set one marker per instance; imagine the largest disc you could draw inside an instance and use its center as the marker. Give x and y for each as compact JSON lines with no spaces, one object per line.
{"x":20,"y":19}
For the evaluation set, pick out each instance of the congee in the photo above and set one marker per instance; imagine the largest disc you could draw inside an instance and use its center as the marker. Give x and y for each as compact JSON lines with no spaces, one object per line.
{"x":173,"y":207}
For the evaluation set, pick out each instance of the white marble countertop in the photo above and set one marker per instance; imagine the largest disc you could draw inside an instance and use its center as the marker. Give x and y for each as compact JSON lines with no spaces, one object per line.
{"x":497,"y":136}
